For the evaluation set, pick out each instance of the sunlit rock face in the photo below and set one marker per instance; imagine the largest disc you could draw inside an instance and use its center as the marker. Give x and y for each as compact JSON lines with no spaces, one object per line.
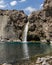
{"x":12,"y":23}
{"x":48,"y":8}
{"x":40,"y":27}
{"x":35,"y":27}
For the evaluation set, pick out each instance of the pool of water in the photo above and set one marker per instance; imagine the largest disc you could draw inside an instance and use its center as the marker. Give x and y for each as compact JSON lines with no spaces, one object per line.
{"x":14,"y":51}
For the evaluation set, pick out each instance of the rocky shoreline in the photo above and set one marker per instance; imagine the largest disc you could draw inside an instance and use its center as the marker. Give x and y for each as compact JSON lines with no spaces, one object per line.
{"x":37,"y":60}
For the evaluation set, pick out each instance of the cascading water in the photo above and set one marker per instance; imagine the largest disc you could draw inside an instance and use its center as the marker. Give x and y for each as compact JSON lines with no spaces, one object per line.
{"x":25,"y":47}
{"x":25,"y":32}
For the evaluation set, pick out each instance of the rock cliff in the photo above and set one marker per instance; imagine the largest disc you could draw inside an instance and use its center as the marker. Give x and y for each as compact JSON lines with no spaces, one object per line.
{"x":12,"y":23}
{"x":40,"y":27}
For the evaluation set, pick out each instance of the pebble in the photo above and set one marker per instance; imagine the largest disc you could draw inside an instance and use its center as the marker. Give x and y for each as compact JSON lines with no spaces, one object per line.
{"x":50,"y":57}
{"x":38,"y":60}
{"x":42,"y":59}
{"x":45,"y":63}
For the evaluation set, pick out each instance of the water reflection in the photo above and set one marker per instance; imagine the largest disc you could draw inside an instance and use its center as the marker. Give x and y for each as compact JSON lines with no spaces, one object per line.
{"x":13,"y":51}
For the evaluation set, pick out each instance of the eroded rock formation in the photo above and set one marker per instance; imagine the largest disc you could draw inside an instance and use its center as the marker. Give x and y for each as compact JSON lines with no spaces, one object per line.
{"x":12,"y":23}
{"x":40,"y":27}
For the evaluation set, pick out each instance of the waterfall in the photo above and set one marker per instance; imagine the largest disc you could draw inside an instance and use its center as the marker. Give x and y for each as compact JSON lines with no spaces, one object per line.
{"x":25,"y":47}
{"x":25,"y":32}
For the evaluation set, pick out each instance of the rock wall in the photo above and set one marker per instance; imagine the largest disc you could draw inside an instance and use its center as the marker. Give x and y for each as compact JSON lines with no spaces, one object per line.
{"x":40,"y":27}
{"x":40,"y":24}
{"x":12,"y":24}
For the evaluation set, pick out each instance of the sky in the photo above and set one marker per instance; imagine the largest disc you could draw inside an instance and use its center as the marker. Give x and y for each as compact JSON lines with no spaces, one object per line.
{"x":27,"y":5}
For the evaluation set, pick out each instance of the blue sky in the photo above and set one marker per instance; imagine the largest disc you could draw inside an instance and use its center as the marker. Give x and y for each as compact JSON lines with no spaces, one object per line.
{"x":27,"y":5}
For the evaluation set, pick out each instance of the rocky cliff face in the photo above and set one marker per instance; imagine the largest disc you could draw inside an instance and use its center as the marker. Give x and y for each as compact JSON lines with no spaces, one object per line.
{"x":40,"y":27}
{"x":12,"y":24}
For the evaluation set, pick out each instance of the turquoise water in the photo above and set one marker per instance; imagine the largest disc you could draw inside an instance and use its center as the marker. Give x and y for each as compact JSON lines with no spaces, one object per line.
{"x":13,"y":51}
